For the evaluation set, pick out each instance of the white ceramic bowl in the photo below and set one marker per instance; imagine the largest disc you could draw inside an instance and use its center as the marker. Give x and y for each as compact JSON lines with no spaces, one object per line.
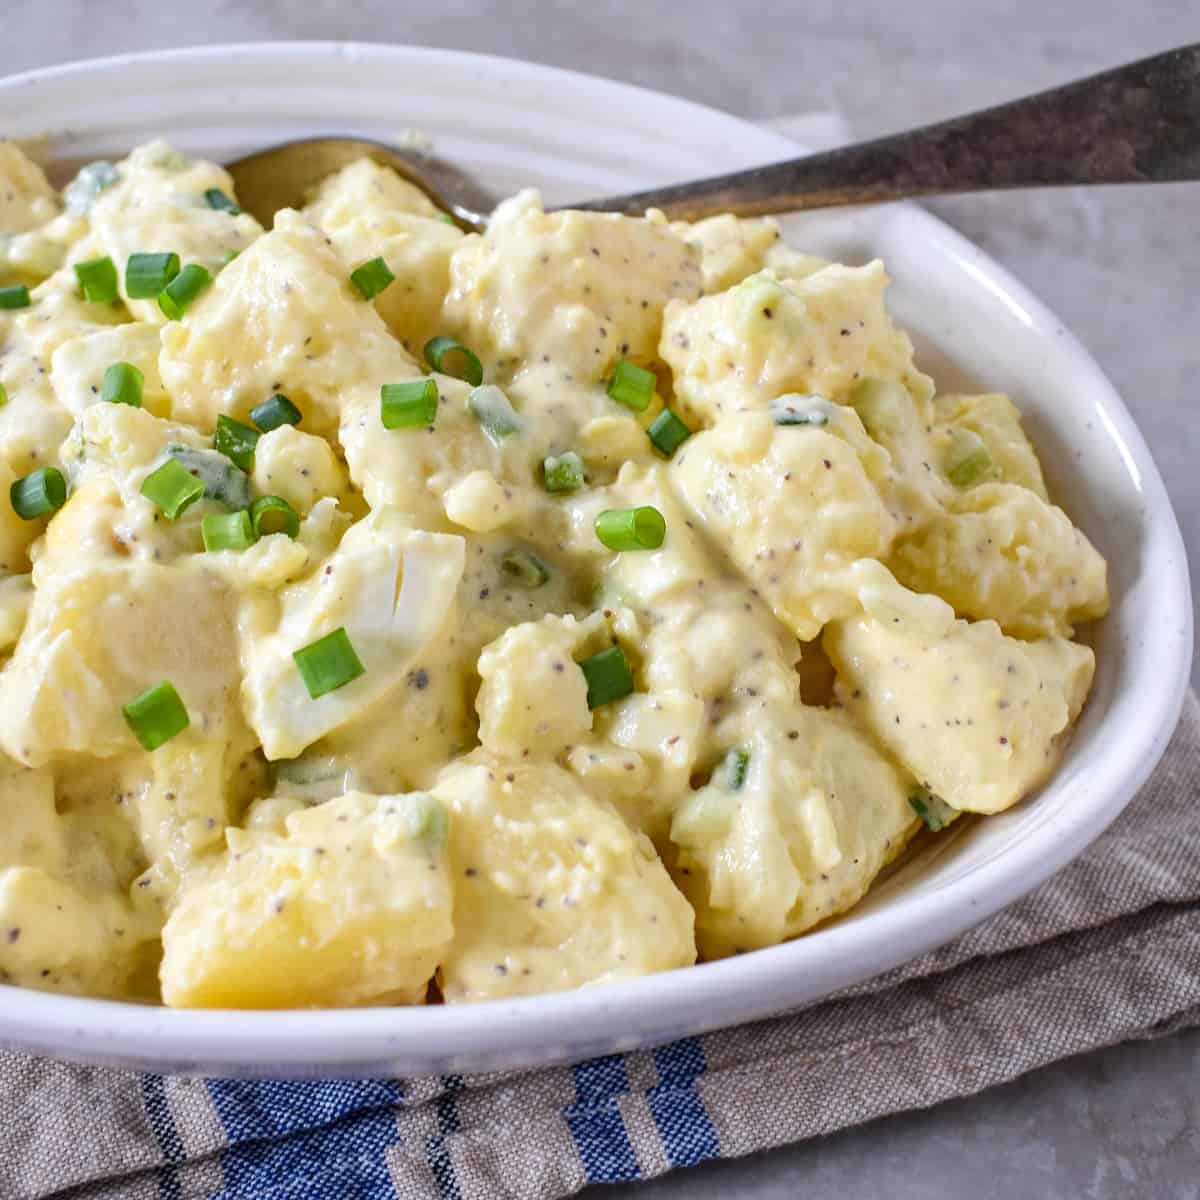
{"x":516,"y":124}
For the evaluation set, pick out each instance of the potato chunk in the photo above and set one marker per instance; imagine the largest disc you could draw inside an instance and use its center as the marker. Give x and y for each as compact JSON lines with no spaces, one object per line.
{"x":348,"y":904}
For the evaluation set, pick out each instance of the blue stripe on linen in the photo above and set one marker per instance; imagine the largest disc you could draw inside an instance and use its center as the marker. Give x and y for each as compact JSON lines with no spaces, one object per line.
{"x":596,"y":1123}
{"x":683,"y":1123}
{"x":162,"y":1125}
{"x":323,"y":1140}
{"x":437,"y":1148}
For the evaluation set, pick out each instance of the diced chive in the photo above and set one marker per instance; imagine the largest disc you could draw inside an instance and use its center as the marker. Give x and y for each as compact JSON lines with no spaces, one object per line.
{"x":933,"y":810}
{"x":632,"y":386}
{"x":236,"y":441}
{"x":221,"y":202}
{"x":273,"y":514}
{"x":122,"y":384}
{"x":98,"y":280}
{"x":177,"y":297}
{"x":525,"y":570}
{"x":563,"y":472}
{"x":222,"y":480}
{"x":328,"y":664}
{"x":494,"y":412}
{"x":156,"y":716}
{"x":966,"y":460}
{"x":430,"y":821}
{"x":631,"y":528}
{"x":35,"y":495}
{"x":409,"y":405}
{"x":3,"y":395}
{"x":449,"y":357}
{"x":147,"y":274}
{"x":796,"y":409}
{"x":668,"y":432}
{"x":273,"y":413}
{"x":227,"y":531}
{"x":172,"y":488}
{"x":16,"y":295}
{"x":371,"y":278}
{"x":882,"y":406}
{"x":731,"y":774}
{"x":608,"y":676}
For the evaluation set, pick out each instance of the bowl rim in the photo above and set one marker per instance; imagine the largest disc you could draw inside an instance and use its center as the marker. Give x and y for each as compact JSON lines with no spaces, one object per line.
{"x":564,"y":1025}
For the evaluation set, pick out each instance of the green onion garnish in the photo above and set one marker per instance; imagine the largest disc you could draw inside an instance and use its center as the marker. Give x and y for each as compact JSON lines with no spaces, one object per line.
{"x":273,"y":413}
{"x":172,"y":488}
{"x":221,"y":202}
{"x":525,"y":570}
{"x":608,"y":676}
{"x":632,"y":386}
{"x":494,"y":412}
{"x":371,"y":278}
{"x":797,"y":409}
{"x":45,"y":491}
{"x":147,"y":274}
{"x":563,"y":472}
{"x":452,"y":358}
{"x":731,"y":774}
{"x":236,"y":441}
{"x":227,"y":531}
{"x":122,"y":385}
{"x":668,"y":432}
{"x":3,"y":395}
{"x":933,"y":810}
{"x":631,"y":528}
{"x":273,"y":514}
{"x":98,"y":280}
{"x":177,"y":297}
{"x":328,"y":664}
{"x":966,"y":460}
{"x":882,"y":406}
{"x":409,"y":405}
{"x":222,"y":480}
{"x":156,"y":716}
{"x":16,"y":295}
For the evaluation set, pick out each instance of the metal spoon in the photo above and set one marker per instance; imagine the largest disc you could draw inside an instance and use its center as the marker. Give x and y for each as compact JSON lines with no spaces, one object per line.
{"x":1135,"y":124}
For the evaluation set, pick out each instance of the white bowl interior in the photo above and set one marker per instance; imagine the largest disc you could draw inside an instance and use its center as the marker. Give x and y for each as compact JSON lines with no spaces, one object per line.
{"x":515,"y":125}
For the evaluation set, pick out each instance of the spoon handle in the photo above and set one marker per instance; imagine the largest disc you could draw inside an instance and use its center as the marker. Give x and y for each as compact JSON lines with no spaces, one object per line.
{"x":1138,"y":123}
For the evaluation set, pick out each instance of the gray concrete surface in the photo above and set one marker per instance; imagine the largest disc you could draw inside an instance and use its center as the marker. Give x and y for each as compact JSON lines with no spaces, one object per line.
{"x":1121,"y":266}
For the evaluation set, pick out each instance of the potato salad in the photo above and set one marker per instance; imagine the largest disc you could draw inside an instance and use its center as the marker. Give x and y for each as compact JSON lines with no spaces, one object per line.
{"x":390,"y":615}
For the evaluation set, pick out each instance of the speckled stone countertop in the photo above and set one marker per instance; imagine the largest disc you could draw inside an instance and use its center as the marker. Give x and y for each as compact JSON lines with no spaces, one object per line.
{"x":1121,"y":266}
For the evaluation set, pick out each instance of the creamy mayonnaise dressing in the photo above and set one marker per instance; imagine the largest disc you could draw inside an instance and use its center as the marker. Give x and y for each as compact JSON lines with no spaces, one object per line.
{"x":860,"y":612}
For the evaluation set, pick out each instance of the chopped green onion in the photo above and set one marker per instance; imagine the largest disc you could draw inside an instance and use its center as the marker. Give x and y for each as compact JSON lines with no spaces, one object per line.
{"x":371,"y":278}
{"x":45,"y":491}
{"x":222,"y":480}
{"x":966,"y":460}
{"x":98,"y":280}
{"x":462,"y":363}
{"x":563,"y":472}
{"x":221,"y":202}
{"x":273,"y":413}
{"x":227,"y":531}
{"x":430,"y":821}
{"x":493,"y":410}
{"x":668,"y":432}
{"x":933,"y":810}
{"x":156,"y":716}
{"x":608,"y":676}
{"x":632,"y":386}
{"x":882,"y":406}
{"x":173,"y":488}
{"x":122,"y":385}
{"x":236,"y":441}
{"x":410,"y":405}
{"x":16,"y":295}
{"x":524,"y":569}
{"x":273,"y":514}
{"x":631,"y":528}
{"x":797,"y":409}
{"x":731,"y":774}
{"x":328,"y":664}
{"x":147,"y":274}
{"x":3,"y":395}
{"x":177,"y":297}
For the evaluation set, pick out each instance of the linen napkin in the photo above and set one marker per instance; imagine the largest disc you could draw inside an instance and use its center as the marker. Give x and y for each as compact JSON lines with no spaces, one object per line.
{"x":1107,"y":950}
